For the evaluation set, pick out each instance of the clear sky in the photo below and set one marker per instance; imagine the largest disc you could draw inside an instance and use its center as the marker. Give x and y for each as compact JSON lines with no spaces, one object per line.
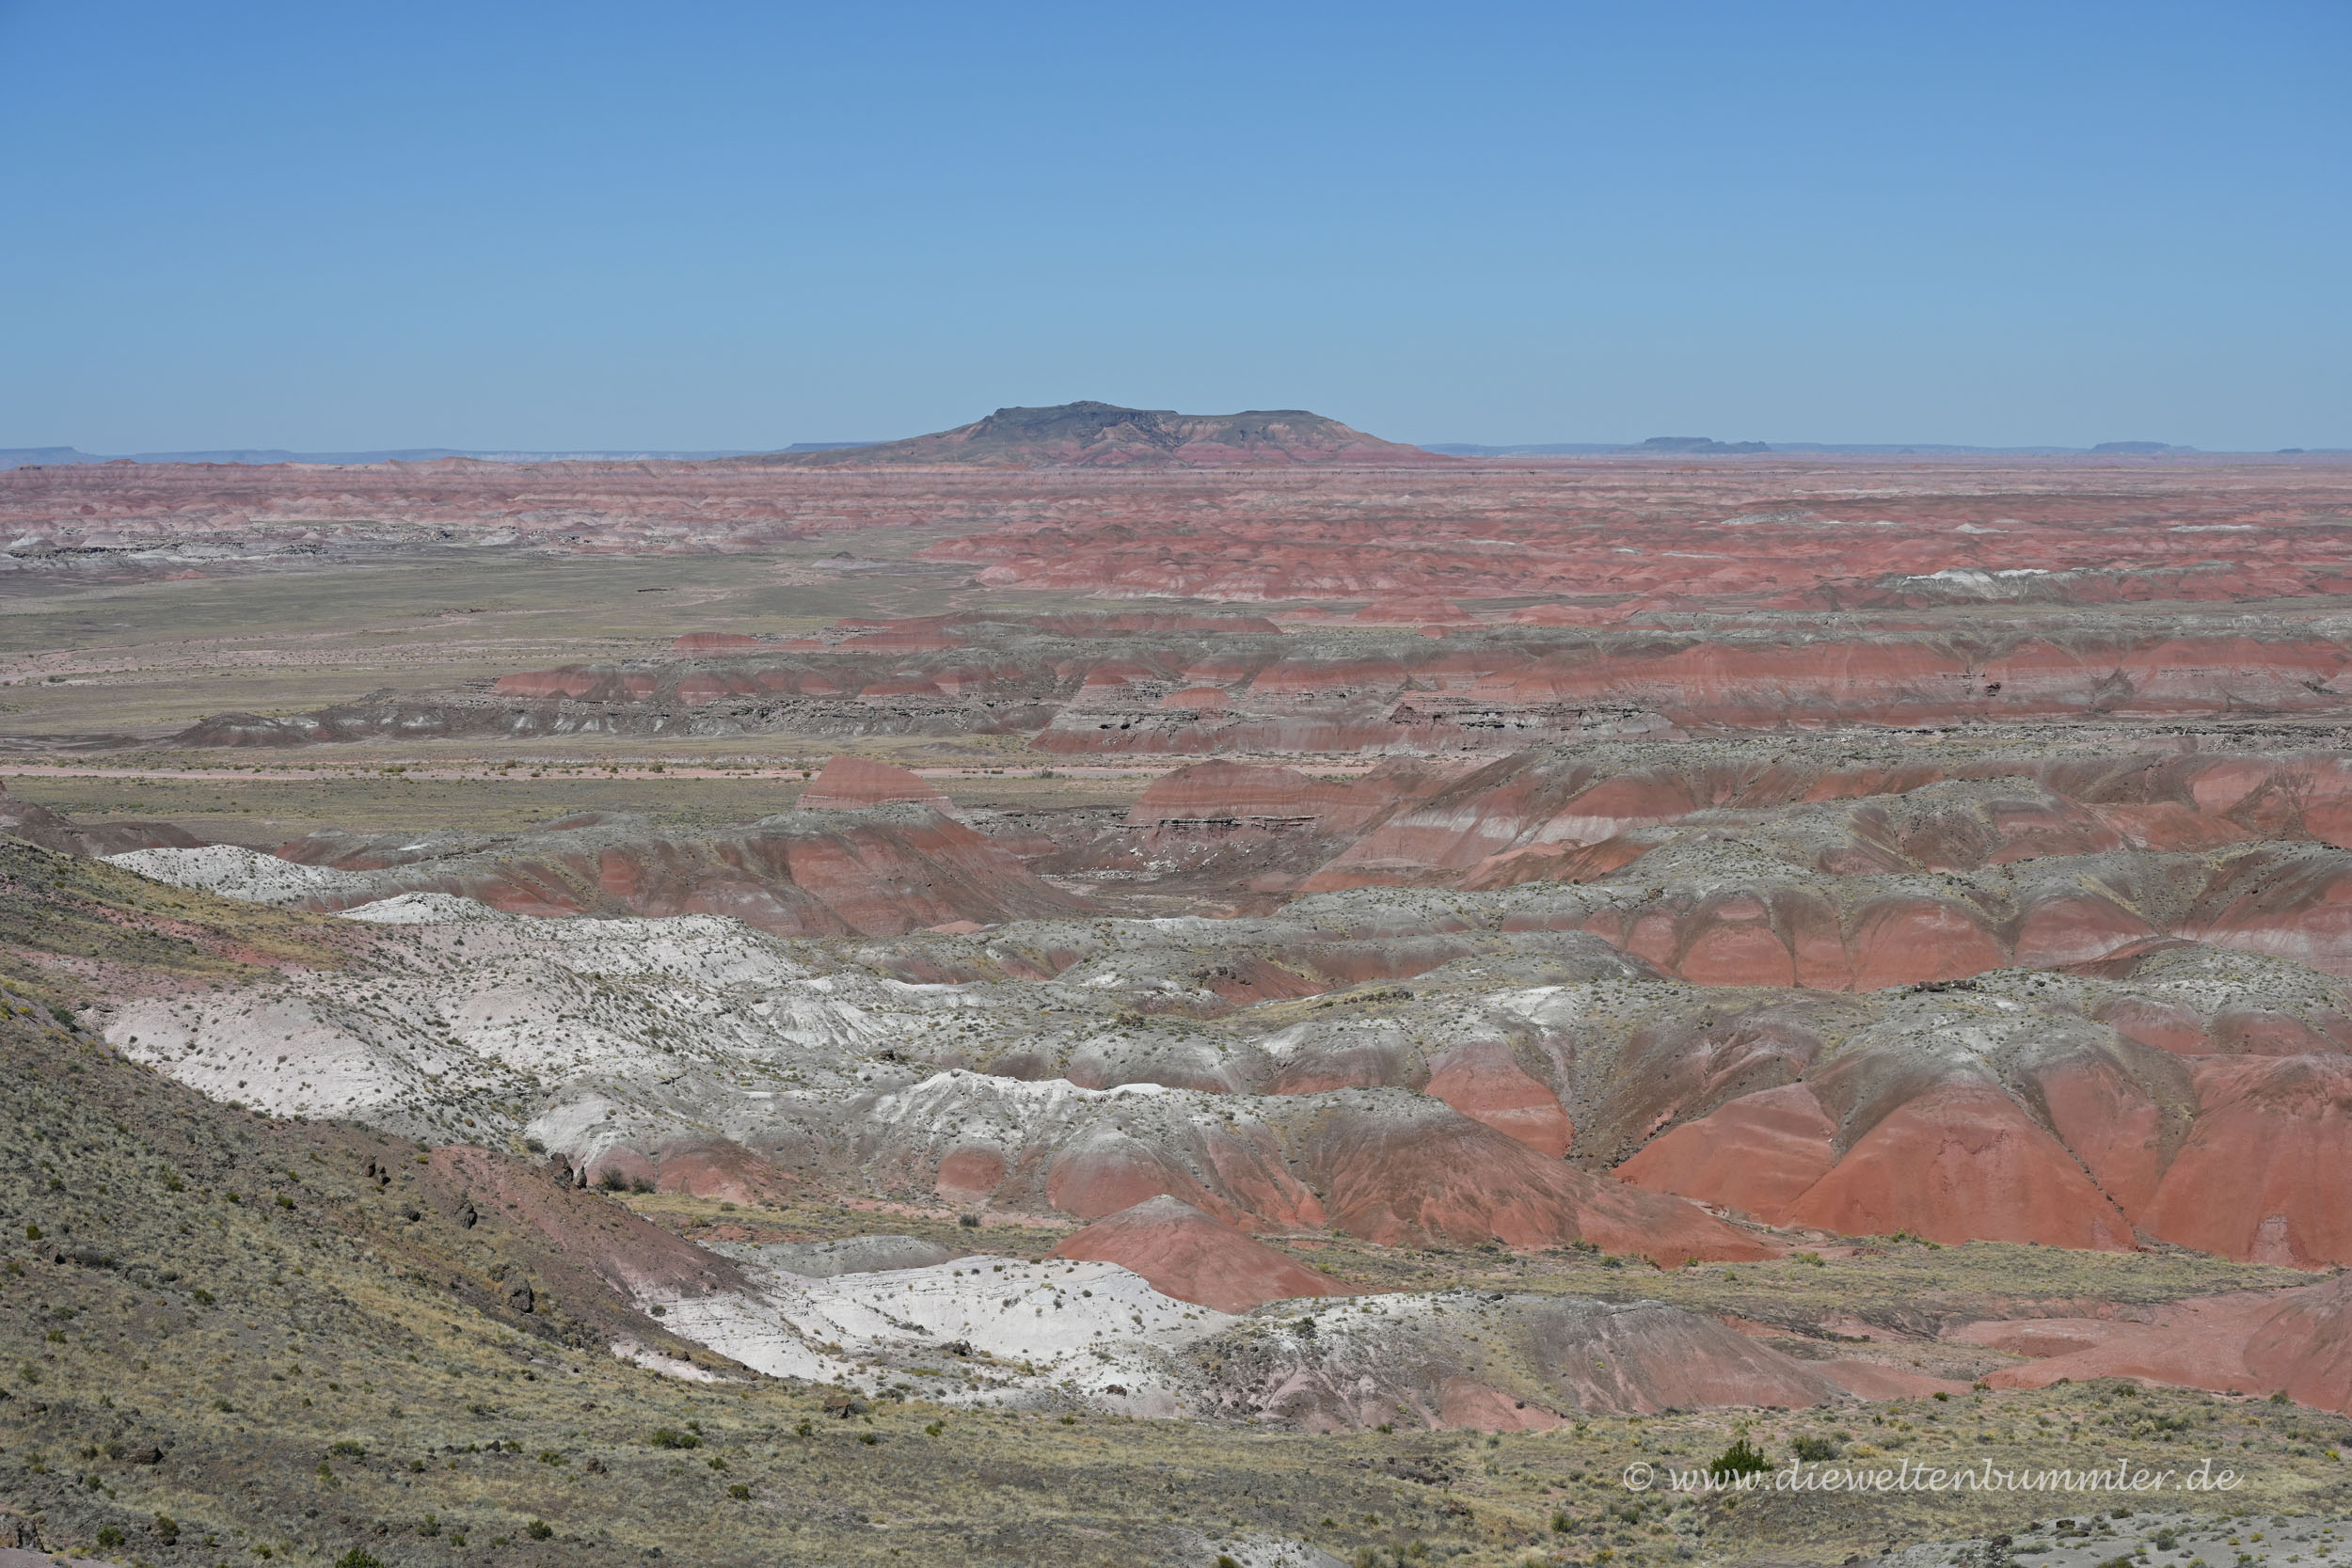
{"x":711,"y":226}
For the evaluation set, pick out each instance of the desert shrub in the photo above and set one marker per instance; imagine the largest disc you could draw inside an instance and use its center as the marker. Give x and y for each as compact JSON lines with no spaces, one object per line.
{"x":670,"y":1437}
{"x":1815,"y":1449}
{"x":1742,"y":1459}
{"x":740,"y":1492}
{"x":357,"y":1558}
{"x":538,"y":1530}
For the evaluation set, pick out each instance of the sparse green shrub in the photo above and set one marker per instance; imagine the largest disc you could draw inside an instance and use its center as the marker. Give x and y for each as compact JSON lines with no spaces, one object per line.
{"x":669,"y":1437}
{"x":1815,"y":1449}
{"x":348,"y":1448}
{"x":538,"y":1530}
{"x":740,"y":1492}
{"x":167,"y":1528}
{"x":357,"y":1558}
{"x":110,"y":1538}
{"x":1742,"y":1459}
{"x":202,"y":1296}
{"x":869,"y":1439}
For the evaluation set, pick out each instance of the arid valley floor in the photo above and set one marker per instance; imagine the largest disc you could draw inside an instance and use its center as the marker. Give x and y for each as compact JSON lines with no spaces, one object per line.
{"x":1229,"y":993}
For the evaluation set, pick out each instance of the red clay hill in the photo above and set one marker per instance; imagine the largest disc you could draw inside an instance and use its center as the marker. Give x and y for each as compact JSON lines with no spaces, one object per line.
{"x":853,"y":783}
{"x":1196,"y":1257}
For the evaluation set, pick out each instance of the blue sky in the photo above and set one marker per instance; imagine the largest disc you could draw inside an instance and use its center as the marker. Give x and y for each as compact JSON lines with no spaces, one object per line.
{"x":708,"y":225}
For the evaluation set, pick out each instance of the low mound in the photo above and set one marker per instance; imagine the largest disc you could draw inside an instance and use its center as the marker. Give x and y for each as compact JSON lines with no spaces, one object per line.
{"x":853,"y":783}
{"x":898,"y":867}
{"x":1412,"y":610}
{"x":1228,"y":792}
{"x":1188,"y":1254}
{"x":37,"y":824}
{"x":1488,"y":1361}
{"x":714,"y":643}
{"x":2298,"y":1343}
{"x":850,"y":1255}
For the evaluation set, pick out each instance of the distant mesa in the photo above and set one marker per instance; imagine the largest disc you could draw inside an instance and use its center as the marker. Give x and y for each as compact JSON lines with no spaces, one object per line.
{"x":853,"y":783}
{"x":2136,"y":449}
{"x":1106,"y":435}
{"x":1698,"y":446}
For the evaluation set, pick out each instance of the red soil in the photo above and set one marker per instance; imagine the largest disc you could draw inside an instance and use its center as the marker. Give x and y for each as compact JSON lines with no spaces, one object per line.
{"x":877,"y":875}
{"x":1191,"y":1256}
{"x":2298,"y":1343}
{"x":853,"y":783}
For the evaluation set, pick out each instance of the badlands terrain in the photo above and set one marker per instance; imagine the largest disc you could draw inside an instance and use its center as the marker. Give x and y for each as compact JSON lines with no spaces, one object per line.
{"x":1108,"y":984}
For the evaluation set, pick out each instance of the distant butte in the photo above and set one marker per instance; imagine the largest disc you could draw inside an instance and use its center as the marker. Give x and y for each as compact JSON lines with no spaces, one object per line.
{"x":1105,"y":436}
